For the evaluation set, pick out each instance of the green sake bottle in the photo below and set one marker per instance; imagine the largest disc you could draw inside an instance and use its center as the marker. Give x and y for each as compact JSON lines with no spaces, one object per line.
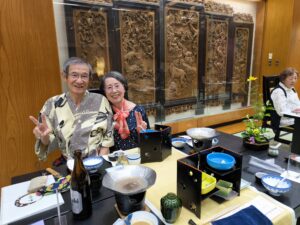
{"x":170,"y":206}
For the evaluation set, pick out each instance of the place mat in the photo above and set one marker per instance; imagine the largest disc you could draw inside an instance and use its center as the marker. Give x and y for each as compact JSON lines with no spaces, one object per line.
{"x":166,"y":182}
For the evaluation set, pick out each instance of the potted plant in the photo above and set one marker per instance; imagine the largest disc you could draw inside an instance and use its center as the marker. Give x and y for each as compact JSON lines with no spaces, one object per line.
{"x":254,"y":134}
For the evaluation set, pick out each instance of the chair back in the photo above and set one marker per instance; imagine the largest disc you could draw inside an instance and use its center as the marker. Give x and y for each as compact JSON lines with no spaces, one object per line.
{"x":269,"y":83}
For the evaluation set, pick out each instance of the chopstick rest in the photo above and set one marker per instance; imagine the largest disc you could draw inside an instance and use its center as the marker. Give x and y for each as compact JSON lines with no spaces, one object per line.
{"x":37,"y":183}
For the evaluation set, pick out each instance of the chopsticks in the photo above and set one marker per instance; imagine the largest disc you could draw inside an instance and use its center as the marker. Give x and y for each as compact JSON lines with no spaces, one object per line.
{"x":54,"y":173}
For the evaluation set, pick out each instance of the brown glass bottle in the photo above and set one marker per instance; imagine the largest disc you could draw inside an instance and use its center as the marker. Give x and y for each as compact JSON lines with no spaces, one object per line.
{"x":81,"y":200}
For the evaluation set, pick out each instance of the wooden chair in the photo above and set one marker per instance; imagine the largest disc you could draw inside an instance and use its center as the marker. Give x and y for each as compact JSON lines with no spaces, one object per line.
{"x":269,"y":83}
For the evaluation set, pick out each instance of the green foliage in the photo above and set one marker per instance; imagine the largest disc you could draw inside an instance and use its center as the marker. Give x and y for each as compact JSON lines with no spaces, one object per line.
{"x":254,"y":132}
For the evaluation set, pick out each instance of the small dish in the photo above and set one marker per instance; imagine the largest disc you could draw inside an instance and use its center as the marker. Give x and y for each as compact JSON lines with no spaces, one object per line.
{"x":178,"y":142}
{"x":190,"y":143}
{"x":208,"y":183}
{"x":220,"y":161}
{"x":276,"y":185}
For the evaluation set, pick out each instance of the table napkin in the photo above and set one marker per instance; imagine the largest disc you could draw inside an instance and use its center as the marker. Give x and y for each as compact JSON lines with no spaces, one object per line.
{"x":247,"y":216}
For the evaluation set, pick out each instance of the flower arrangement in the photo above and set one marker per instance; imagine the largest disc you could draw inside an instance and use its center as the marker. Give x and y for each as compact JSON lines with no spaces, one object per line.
{"x":255,"y":132}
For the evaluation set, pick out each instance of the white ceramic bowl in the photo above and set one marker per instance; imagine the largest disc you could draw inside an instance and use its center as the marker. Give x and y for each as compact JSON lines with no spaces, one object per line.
{"x":276,"y":185}
{"x":90,"y":163}
{"x":200,"y":133}
{"x":142,"y":216}
{"x":134,"y":158}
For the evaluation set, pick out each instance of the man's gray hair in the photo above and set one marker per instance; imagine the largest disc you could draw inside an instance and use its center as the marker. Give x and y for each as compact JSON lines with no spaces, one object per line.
{"x":75,"y":61}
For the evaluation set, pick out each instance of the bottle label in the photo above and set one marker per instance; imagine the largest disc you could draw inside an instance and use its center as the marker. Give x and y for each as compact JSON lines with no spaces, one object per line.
{"x":76,"y":200}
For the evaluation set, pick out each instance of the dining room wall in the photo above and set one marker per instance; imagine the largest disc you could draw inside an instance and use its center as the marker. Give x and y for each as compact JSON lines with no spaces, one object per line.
{"x":29,"y":74}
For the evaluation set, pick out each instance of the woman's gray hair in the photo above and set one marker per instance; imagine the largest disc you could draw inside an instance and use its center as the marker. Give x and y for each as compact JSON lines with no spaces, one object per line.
{"x":75,"y":61}
{"x":288,"y":72}
{"x":116,"y":75}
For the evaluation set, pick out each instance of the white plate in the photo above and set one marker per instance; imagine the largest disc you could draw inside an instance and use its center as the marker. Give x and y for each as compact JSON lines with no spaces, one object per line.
{"x":190,"y":143}
{"x":186,"y":137}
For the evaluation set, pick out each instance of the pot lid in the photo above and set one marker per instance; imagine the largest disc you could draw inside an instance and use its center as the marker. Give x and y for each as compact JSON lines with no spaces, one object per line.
{"x":201,"y":133}
{"x":129,"y":179}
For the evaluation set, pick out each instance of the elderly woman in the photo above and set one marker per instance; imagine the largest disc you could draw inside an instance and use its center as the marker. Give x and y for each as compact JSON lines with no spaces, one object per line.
{"x":76,"y":119}
{"x":284,"y":96}
{"x":129,"y":118}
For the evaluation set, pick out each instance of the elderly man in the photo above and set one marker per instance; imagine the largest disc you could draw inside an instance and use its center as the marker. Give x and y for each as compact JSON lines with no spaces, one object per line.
{"x":76,"y":119}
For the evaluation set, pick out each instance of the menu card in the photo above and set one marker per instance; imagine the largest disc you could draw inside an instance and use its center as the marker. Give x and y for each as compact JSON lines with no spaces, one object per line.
{"x":9,"y":194}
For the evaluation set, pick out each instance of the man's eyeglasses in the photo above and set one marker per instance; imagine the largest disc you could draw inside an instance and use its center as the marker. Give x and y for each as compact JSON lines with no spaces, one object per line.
{"x":83,"y":76}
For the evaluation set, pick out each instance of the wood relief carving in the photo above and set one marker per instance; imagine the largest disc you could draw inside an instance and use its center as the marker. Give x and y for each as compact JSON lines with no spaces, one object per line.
{"x":155,"y":2}
{"x":97,"y":2}
{"x":216,"y":60}
{"x":138,"y":53}
{"x":91,"y":41}
{"x":239,"y":77}
{"x":197,"y":2}
{"x":242,"y":18}
{"x":178,"y":109}
{"x":151,"y":112}
{"x":218,"y":8}
{"x":181,"y":52}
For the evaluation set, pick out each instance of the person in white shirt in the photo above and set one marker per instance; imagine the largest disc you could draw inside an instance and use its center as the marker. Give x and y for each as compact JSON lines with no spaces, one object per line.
{"x":284,"y":97}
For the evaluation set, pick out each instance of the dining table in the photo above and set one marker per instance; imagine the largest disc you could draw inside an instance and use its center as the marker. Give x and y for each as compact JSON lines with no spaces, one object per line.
{"x":104,"y":205}
{"x":295,"y":148}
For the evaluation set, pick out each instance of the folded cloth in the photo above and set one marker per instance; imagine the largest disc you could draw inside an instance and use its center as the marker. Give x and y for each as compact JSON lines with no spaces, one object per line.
{"x":246,"y":216}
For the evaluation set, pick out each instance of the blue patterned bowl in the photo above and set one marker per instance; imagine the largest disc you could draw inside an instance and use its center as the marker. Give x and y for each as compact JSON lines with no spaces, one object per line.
{"x":178,"y":142}
{"x":93,"y":163}
{"x":276,"y":185}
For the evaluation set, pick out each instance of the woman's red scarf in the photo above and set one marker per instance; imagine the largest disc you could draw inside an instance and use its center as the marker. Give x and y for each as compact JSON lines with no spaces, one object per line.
{"x":120,"y":118}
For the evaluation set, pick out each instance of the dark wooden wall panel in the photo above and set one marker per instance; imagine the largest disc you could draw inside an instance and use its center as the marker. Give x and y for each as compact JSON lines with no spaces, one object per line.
{"x":29,"y":74}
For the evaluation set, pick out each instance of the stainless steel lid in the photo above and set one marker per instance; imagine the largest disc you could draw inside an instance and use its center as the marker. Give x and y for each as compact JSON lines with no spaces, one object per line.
{"x":129,"y":179}
{"x":201,"y":133}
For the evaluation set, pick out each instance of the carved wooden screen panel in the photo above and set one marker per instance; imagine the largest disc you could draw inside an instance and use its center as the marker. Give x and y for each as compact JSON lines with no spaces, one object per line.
{"x":216,"y":60}
{"x":240,"y":62}
{"x":138,"y":56}
{"x":154,"y":2}
{"x":91,"y":40}
{"x":102,"y":2}
{"x":187,"y":1}
{"x":181,"y":53}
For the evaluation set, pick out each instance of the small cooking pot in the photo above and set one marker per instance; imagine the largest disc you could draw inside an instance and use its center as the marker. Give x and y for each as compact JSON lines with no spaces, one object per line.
{"x":129,"y":184}
{"x":130,"y":203}
{"x":203,"y":137}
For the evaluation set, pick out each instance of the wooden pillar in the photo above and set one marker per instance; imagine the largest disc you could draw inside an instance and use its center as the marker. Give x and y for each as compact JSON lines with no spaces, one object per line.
{"x":29,"y":74}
